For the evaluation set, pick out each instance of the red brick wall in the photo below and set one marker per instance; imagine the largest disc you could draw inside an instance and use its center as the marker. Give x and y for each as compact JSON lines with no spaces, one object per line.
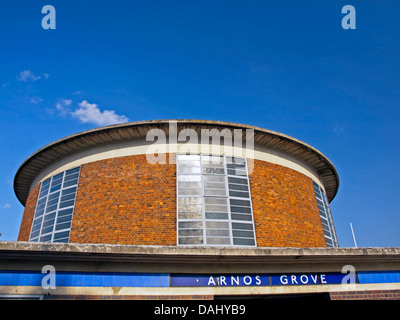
{"x":30,"y":206}
{"x":366,"y":295}
{"x":284,"y":207}
{"x":125,"y":200}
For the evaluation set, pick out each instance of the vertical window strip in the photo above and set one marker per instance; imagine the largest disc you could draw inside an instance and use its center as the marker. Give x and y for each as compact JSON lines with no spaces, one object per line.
{"x":326,"y":217}
{"x":54,"y":208}
{"x":222,"y":204}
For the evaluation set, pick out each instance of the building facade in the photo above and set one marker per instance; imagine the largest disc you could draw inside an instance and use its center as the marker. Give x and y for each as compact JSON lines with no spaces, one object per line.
{"x":185,"y":209}
{"x":102,"y":186}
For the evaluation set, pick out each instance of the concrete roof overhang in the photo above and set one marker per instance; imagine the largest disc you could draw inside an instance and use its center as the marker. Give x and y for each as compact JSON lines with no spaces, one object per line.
{"x":170,"y":254}
{"x":56,"y":150}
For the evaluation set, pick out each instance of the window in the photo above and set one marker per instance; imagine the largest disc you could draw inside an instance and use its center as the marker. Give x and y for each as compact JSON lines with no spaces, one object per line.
{"x":54,"y":208}
{"x":326,"y":217}
{"x":214,"y":205}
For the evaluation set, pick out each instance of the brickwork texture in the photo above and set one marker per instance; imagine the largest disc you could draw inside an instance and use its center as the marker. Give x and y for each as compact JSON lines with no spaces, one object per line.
{"x":366,"y":295}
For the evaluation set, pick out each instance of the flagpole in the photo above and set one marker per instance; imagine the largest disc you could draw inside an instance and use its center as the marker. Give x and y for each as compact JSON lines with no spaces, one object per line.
{"x":354,"y":237}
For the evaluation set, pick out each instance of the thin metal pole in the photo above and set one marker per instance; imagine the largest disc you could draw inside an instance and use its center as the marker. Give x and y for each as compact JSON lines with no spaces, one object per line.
{"x":354,"y":237}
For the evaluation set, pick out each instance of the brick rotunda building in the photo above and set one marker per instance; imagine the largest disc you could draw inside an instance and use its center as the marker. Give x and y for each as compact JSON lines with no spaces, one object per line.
{"x":184,"y":208}
{"x":111,"y":185}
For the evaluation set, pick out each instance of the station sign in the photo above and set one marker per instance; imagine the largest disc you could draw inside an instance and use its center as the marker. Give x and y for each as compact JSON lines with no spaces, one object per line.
{"x":243,"y":280}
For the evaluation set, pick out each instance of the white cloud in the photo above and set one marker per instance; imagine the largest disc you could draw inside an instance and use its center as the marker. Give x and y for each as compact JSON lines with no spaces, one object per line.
{"x":62,"y":106}
{"x":36,"y":100}
{"x":27,"y":75}
{"x":90,"y":113}
{"x":5,"y":206}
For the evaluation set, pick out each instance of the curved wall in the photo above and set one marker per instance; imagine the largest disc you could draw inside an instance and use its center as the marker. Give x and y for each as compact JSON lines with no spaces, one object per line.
{"x":126,"y":200}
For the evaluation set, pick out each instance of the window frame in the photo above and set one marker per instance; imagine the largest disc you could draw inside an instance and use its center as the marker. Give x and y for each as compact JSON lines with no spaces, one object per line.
{"x":326,"y":217}
{"x":229,"y":221}
{"x":56,"y":212}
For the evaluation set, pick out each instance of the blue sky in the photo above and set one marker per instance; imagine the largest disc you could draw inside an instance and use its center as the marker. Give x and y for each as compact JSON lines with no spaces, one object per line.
{"x":283,"y":65}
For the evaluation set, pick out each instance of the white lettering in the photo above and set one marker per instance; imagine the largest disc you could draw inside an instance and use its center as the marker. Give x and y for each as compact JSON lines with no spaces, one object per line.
{"x":314,"y":279}
{"x":293,"y":278}
{"x":304,"y":279}
{"x":284,"y":279}
{"x":247,"y":282}
{"x":323,"y":280}
{"x":222,"y":281}
{"x":211,"y":281}
{"x":202,"y":309}
{"x":234,"y":280}
{"x":258,"y":280}
{"x":171,"y":310}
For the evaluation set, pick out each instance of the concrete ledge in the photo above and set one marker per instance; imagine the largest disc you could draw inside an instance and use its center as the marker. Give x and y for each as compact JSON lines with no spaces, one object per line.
{"x":174,"y":254}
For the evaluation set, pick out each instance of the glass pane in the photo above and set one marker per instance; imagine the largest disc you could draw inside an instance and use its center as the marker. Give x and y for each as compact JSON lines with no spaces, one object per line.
{"x":241,"y":217}
{"x":214,"y":178}
{"x":191,"y":225}
{"x":243,"y":242}
{"x":218,"y":241}
{"x":66,"y":197}
{"x":190,"y":215}
{"x":217,"y":215}
{"x":189,"y":192}
{"x":217,"y":225}
{"x":71,"y":171}
{"x":190,"y":233}
{"x":65,"y":212}
{"x":213,"y":170}
{"x":70,"y":183}
{"x":67,"y":203}
{"x":46,"y":238}
{"x":185,"y":157}
{"x":238,"y":187}
{"x":62,"y":226}
{"x":190,"y":208}
{"x":189,"y":178}
{"x":189,"y":184}
{"x":216,"y":208}
{"x":242,"y":226}
{"x":60,"y":235}
{"x":189,"y":170}
{"x":64,"y":219}
{"x":237,"y":172}
{"x":191,"y":240}
{"x":238,"y":194}
{"x":190,"y":200}
{"x":240,"y":209}
{"x":69,"y":190}
{"x":217,"y":233}
{"x":237,"y":180}
{"x":217,"y":201}
{"x":212,"y":160}
{"x":243,"y":234}
{"x":214,"y":192}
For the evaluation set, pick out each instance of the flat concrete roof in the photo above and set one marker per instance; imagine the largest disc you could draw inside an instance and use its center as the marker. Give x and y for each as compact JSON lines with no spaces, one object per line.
{"x":54,"y":151}
{"x":173,"y":254}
